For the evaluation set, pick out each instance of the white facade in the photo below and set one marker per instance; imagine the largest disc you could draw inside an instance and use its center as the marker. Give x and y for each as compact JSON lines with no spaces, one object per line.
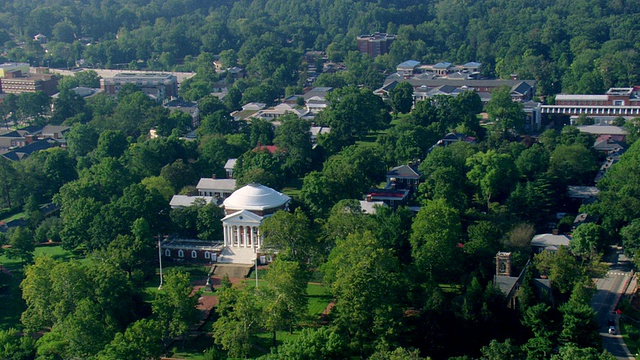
{"x":245,"y":210}
{"x":217,"y":188}
{"x":241,"y":229}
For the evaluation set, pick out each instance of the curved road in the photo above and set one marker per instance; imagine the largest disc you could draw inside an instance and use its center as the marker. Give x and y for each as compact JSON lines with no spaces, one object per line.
{"x":609,"y":291}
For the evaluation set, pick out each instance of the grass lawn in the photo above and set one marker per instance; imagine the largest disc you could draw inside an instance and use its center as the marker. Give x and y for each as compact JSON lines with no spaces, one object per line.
{"x":319,"y":298}
{"x":196,"y":271}
{"x":292,"y":188}
{"x":19,"y":215}
{"x":194,"y":349}
{"x":451,"y":289}
{"x":56,"y":252}
{"x":265,"y":342}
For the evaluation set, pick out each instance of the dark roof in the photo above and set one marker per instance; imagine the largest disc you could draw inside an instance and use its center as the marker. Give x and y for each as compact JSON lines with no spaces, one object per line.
{"x":403,"y":171}
{"x":33,"y":129}
{"x":609,"y":145}
{"x":17,"y":223}
{"x":181,"y":103}
{"x":49,"y":208}
{"x":521,"y":88}
{"x":20,"y":153}
{"x":12,"y":134}
{"x":388,"y":87}
{"x":448,"y":89}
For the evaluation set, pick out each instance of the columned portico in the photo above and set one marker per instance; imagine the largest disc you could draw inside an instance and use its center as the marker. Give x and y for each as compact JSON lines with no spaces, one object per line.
{"x":242,"y":236}
{"x":245,"y":209}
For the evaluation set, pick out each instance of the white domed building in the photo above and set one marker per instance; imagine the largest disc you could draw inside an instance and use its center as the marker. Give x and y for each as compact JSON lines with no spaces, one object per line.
{"x":245,"y":209}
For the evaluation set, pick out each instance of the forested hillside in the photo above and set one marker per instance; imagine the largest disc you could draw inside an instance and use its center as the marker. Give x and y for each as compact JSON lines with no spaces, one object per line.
{"x":570,"y":46}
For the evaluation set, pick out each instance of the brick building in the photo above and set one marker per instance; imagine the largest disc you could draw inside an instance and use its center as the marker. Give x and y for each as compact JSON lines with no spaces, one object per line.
{"x":375,"y":44}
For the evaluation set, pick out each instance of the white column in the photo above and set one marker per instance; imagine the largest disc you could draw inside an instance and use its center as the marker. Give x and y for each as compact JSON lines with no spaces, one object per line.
{"x":224,"y":234}
{"x":253,"y":239}
{"x":259,"y":244}
{"x":234,"y":234}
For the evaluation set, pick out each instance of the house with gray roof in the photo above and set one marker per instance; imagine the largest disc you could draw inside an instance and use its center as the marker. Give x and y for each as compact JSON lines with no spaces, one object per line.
{"x":54,"y":131}
{"x":549,"y":242}
{"x":228,"y":167}
{"x":403,"y":177}
{"x":182,"y":201}
{"x":218,"y":188}
{"x":522,"y":90}
{"x":10,"y":139}
{"x":23,"y":152}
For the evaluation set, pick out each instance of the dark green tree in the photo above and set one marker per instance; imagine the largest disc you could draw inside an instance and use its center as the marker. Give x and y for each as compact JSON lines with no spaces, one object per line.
{"x":363,"y":281}
{"x":401,"y":98}
{"x":175,"y":305}
{"x":294,"y":143}
{"x":285,"y":295}
{"x":507,"y":115}
{"x":290,"y":234}
{"x":22,"y":244}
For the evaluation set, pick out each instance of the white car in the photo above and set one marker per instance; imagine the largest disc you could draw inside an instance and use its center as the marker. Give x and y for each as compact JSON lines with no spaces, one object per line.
{"x":612,"y":330}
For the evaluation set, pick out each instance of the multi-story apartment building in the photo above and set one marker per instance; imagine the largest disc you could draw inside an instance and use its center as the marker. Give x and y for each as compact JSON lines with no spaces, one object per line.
{"x":158,"y":86}
{"x":375,"y":44}
{"x":16,"y":82}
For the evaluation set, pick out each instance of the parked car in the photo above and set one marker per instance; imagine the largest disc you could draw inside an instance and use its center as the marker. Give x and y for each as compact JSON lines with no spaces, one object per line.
{"x":612,"y":330}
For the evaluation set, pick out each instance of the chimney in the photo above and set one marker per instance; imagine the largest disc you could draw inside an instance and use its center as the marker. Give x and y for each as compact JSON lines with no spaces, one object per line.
{"x":554,"y":231}
{"x":213,"y":176}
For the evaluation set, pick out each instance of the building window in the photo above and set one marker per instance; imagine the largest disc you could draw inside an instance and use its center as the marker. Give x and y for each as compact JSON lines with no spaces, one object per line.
{"x":207,"y":255}
{"x":180,"y":253}
{"x":194,"y":254}
{"x":167,"y":252}
{"x":618,"y":102}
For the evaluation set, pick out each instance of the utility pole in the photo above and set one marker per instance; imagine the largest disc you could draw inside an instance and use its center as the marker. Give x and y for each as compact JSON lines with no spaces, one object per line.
{"x":160,"y":260}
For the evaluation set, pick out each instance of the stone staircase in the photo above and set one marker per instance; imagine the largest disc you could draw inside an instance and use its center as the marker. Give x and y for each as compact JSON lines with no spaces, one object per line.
{"x":232,"y":270}
{"x":235,"y":255}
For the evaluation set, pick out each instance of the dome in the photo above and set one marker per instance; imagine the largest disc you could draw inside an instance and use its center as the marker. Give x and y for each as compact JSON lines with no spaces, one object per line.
{"x":255,"y":197}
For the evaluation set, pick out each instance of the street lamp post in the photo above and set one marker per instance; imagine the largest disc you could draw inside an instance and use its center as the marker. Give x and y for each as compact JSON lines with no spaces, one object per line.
{"x":160,"y":260}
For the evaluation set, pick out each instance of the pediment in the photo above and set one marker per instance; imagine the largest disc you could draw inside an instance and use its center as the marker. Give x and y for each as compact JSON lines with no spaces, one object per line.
{"x":243,"y":217}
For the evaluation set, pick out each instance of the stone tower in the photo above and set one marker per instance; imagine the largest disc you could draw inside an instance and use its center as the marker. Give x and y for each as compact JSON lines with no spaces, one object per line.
{"x":503,"y":263}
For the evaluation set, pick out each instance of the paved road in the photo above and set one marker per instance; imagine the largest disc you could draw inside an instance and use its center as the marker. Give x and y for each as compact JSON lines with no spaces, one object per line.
{"x":609,"y":291}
